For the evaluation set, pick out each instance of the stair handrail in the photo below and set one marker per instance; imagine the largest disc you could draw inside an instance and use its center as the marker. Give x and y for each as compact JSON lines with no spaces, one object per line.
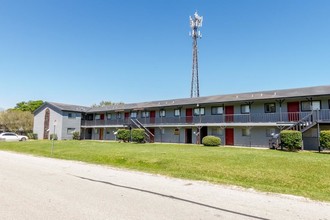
{"x":140,"y":125}
{"x":301,"y":121}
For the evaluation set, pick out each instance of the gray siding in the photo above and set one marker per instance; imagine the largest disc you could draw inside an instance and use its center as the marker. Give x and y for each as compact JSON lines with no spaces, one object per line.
{"x":39,"y":118}
{"x":67,"y":123}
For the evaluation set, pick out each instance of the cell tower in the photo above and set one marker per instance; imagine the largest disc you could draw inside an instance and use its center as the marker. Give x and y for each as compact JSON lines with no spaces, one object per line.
{"x":195,"y":24}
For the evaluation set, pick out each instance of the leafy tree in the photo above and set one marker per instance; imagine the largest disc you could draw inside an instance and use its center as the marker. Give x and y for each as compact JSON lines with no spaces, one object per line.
{"x":106,"y":103}
{"x":16,"y":120}
{"x":30,"y":106}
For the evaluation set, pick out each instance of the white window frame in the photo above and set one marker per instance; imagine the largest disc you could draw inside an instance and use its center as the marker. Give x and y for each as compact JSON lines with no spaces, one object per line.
{"x":218,"y":110}
{"x":308,"y":106}
{"x":245,"y":109}
{"x":199,"y":111}
{"x":133,"y":114}
{"x":246,"y":132}
{"x":69,"y":131}
{"x":162,"y":113}
{"x":145,"y":114}
{"x":270,"y":107}
{"x":177,"y":112}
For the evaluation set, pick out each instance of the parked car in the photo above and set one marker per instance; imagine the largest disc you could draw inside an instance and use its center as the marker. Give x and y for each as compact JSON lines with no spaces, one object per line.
{"x":10,"y":136}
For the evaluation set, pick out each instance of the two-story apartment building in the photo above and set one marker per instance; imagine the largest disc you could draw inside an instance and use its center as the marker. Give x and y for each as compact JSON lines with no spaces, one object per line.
{"x":245,"y":119}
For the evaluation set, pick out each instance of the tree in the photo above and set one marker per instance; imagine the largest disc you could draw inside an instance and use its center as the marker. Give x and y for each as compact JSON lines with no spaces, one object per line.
{"x":30,"y":106}
{"x":16,"y":120}
{"x":106,"y":103}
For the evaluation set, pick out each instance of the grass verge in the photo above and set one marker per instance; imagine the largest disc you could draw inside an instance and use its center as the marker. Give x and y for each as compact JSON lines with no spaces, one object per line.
{"x":300,"y":173}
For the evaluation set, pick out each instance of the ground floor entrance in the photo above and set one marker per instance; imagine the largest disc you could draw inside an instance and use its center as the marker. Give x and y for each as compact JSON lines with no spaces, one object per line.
{"x":229,"y":136}
{"x":188,"y":136}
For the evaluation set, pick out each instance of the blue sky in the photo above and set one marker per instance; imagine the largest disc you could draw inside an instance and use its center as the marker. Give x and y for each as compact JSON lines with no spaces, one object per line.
{"x":82,"y":52}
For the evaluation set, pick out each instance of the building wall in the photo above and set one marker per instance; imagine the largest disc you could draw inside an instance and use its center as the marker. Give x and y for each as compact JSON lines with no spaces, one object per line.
{"x":70,"y":123}
{"x":39,"y":118}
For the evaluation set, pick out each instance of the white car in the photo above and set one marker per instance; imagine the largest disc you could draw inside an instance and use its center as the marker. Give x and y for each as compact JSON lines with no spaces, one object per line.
{"x":10,"y":136}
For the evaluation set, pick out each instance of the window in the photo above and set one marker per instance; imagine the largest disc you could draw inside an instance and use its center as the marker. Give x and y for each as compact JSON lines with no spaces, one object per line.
{"x":71,"y":115}
{"x":177,"y":112}
{"x":162,"y":113}
{"x":199,"y":111}
{"x":246,"y":132}
{"x":133,"y":114}
{"x":145,"y":114}
{"x":216,"y":131}
{"x":108,"y":116}
{"x":270,"y":132}
{"x":270,"y":107}
{"x":70,"y":130}
{"x":245,"y":109}
{"x":97,"y":117}
{"x":308,"y":106}
{"x":108,"y":130}
{"x":217,"y":110}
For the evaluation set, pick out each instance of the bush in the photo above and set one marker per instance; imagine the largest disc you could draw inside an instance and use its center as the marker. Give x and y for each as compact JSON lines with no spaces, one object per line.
{"x":123,"y":135}
{"x":138,"y":135}
{"x":211,"y":141}
{"x":291,"y":139}
{"x":32,"y":136}
{"x":325,"y":139}
{"x":55,"y":136}
{"x":76,"y":135}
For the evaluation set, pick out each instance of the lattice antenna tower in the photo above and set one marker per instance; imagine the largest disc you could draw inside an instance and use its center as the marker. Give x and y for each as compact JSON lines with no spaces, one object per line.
{"x":195,"y":23}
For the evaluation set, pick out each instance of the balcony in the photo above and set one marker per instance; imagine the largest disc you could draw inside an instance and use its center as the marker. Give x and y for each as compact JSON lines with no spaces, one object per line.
{"x":284,"y":117}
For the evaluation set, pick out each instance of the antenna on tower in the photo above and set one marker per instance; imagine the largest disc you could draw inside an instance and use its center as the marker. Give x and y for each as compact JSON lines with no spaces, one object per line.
{"x":195,"y":23}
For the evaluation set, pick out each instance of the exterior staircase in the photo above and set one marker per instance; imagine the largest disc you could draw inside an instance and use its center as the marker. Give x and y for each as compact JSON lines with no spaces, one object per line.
{"x":302,"y":125}
{"x":137,"y":124}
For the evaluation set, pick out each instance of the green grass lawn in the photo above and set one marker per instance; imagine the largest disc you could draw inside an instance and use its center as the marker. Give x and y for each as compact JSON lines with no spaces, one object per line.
{"x":299,"y":173}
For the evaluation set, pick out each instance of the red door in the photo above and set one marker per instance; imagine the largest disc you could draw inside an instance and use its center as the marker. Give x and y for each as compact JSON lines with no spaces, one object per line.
{"x":101,"y":134}
{"x":189,"y":115}
{"x":293,"y":111}
{"x":152,"y":116}
{"x":229,"y":113}
{"x":152,"y":138}
{"x":229,"y":136}
{"x":102,"y":117}
{"x":126,"y":115}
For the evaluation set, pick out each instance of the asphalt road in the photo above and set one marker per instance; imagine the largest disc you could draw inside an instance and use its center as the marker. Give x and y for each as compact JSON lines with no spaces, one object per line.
{"x":42,"y":188}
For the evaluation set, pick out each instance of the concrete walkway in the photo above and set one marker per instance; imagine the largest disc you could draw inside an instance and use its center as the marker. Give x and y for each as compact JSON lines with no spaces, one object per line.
{"x":42,"y":188}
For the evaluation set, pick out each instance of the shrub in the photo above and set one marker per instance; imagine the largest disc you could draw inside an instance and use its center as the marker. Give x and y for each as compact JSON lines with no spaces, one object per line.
{"x":138,"y":135}
{"x":211,"y":141}
{"x":76,"y":135}
{"x":55,"y":136}
{"x":325,"y":139}
{"x":123,"y":135}
{"x":291,"y":139}
{"x":32,"y":136}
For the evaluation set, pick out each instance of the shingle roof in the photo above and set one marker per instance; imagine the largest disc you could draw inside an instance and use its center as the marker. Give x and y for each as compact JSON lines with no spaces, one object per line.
{"x":67,"y":107}
{"x":239,"y":97}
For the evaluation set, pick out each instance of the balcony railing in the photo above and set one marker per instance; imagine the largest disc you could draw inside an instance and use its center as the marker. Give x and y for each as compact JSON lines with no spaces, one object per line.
{"x":284,"y":117}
